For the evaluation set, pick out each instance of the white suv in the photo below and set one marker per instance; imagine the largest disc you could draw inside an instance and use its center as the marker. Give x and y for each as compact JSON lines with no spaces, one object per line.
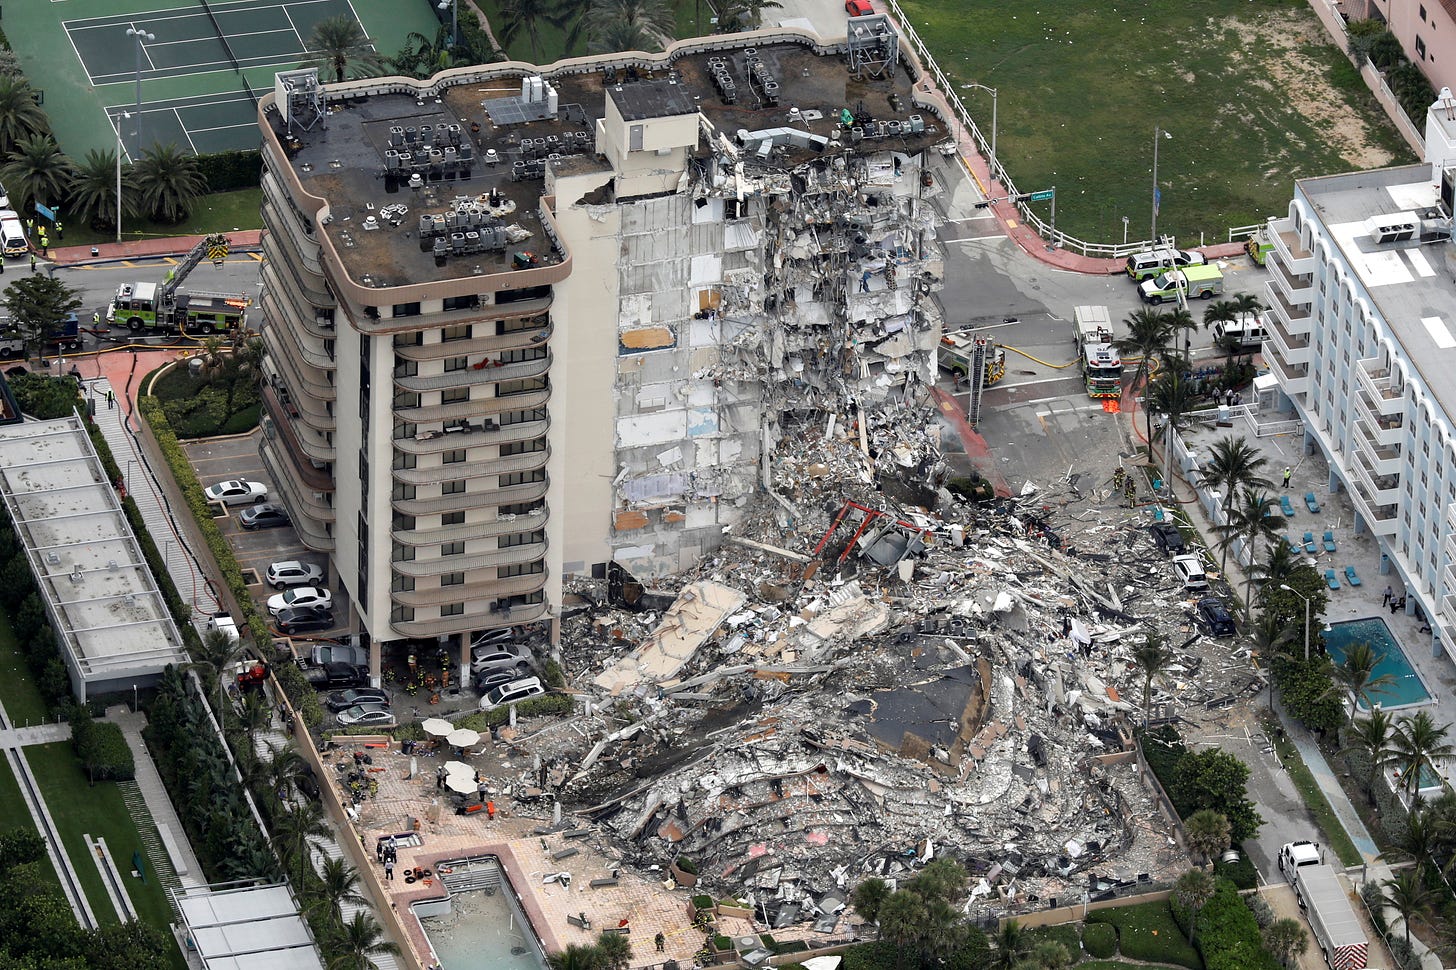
{"x":500,"y":656}
{"x":516,"y":690}
{"x":1189,"y":570}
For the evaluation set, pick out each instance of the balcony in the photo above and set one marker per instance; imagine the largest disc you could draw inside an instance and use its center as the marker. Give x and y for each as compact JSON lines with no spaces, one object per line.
{"x":1293,"y":378}
{"x":1380,"y":489}
{"x":466,"y":531}
{"x":474,"y":376}
{"x":1448,"y":543}
{"x":1382,"y":519}
{"x":304,"y":444}
{"x":1383,"y":459}
{"x":315,"y":414}
{"x":434,"y":442}
{"x":1292,"y":348}
{"x":1387,"y":395}
{"x":279,"y":250}
{"x":503,"y":465}
{"x":468,"y":622}
{"x":1295,"y":319}
{"x":464,"y":410}
{"x":477,"y":346}
{"x":476,"y":591}
{"x":283,"y":355}
{"x":1297,"y":289}
{"x":489,"y":497}
{"x":489,"y":559}
{"x":289,"y":307}
{"x":311,"y":517}
{"x":488,"y":313}
{"x":1287,"y":244}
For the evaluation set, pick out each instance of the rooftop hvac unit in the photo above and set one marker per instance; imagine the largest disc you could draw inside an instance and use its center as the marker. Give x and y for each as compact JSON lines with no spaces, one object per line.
{"x":1397,"y":227}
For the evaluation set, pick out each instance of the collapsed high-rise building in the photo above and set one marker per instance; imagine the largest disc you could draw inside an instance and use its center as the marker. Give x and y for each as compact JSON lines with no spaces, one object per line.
{"x":524,"y":324}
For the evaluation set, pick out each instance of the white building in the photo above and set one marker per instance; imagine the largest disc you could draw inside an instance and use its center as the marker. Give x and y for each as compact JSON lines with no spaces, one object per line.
{"x":1363,"y":342}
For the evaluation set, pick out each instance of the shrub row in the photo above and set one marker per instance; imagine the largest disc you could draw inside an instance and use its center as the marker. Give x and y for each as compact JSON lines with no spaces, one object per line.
{"x":226,"y":171}
{"x":1228,"y":935}
{"x":28,"y":620}
{"x":301,"y":695}
{"x":547,"y":704}
{"x":1149,"y":933}
{"x":101,"y":748}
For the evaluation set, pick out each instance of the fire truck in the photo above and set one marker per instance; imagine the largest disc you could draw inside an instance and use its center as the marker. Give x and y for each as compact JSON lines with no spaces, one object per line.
{"x":956,"y":353}
{"x":163,"y":308}
{"x":1101,"y":363}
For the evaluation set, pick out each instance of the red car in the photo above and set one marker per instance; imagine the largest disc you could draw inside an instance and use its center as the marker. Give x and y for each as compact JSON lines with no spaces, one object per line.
{"x":858,"y":8}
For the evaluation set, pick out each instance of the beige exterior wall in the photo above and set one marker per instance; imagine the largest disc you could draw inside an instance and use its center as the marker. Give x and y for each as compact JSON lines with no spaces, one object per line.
{"x":1426,"y":30}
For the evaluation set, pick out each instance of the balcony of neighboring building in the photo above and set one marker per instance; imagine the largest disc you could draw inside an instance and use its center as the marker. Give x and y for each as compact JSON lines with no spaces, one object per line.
{"x":467,"y":622}
{"x":310,"y":351}
{"x":1383,"y":518}
{"x":1293,"y":378}
{"x":1293,"y":348}
{"x":1448,"y":542}
{"x":464,"y":434}
{"x":464,"y":501}
{"x":471,"y":376}
{"x":280,"y":249}
{"x":1382,"y":489}
{"x":470,"y":563}
{"x":302,"y":377}
{"x":1384,"y":459}
{"x":312,"y":412}
{"x":1297,"y":320}
{"x":482,"y":467}
{"x":481,"y":590}
{"x":477,"y":346}
{"x":468,"y":531}
{"x":474,"y":408}
{"x":1296,"y":288}
{"x":1290,"y":249}
{"x":1385,"y":390}
{"x":311,"y":515}
{"x":303,"y":442}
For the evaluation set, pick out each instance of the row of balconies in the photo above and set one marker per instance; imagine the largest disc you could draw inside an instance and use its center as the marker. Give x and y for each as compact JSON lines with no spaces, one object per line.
{"x":435,"y":441}
{"x":503,"y":465}
{"x":472,"y":376}
{"x":465,"y":501}
{"x":480,"y":618}
{"x":477,"y":346}
{"x":311,"y":514}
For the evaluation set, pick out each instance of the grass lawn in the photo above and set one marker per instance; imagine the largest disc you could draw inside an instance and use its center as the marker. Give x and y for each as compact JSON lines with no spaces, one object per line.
{"x":79,"y":808}
{"x":13,"y":808}
{"x":220,"y":212}
{"x":1251,"y":91}
{"x":1314,"y":799}
{"x":23,"y":702}
{"x":692,"y":18}
{"x":1114,"y":964}
{"x":1147,"y":932}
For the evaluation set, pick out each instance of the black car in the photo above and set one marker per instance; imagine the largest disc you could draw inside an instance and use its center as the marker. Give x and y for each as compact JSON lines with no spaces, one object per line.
{"x":1216,"y":617}
{"x":494,"y":678}
{"x":333,"y":676}
{"x":1167,"y":538}
{"x":268,"y":516}
{"x":343,"y":699}
{"x":307,"y":782}
{"x":303,"y":619}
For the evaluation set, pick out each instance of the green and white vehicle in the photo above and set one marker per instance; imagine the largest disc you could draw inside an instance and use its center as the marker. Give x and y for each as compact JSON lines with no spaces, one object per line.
{"x":1193,"y":282}
{"x":162,"y":308}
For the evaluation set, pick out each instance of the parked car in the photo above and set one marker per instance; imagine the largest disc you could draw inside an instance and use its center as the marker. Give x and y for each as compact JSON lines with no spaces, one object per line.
{"x":505,"y":634}
{"x":1167,"y":538}
{"x":303,"y":619}
{"x":333,"y":676}
{"x":371,"y":714}
{"x":300,"y":596}
{"x":327,"y":653}
{"x":266,"y":516}
{"x":237,"y":492}
{"x":490,"y":679}
{"x":505,"y":655}
{"x":858,"y":8}
{"x":1216,"y":617}
{"x":291,"y":572}
{"x":516,"y":690}
{"x":341,"y":700}
{"x":1189,"y":570}
{"x":306,"y":782}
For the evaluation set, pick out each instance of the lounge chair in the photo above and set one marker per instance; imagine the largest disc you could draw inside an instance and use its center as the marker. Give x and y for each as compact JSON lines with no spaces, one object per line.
{"x":1309,"y":544}
{"x":1286,"y":505}
{"x":1289,"y":541}
{"x":1309,"y":501}
{"x":1351,"y":577}
{"x":1330,"y":579}
{"x":1329,"y":541}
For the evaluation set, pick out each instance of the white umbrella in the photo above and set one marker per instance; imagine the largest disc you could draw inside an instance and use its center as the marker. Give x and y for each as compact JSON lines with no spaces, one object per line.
{"x":460,"y":783}
{"x":459,"y":768}
{"x":463,"y":737}
{"x":437,"y":727}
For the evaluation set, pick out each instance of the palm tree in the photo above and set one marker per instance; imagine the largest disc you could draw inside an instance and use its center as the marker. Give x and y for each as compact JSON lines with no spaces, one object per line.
{"x":93,"y":191}
{"x":1011,"y":943}
{"x":1180,"y":321}
{"x":1248,"y":523}
{"x":1373,"y":737}
{"x":1171,"y":394}
{"x":1409,"y":897}
{"x":359,"y":939}
{"x":1356,"y":676}
{"x":621,"y":35}
{"x":615,"y":950}
{"x":1148,"y":336}
{"x":37,"y":171}
{"x":339,"y":45}
{"x":1246,"y":304}
{"x":1232,"y":464}
{"x":743,"y":14}
{"x":1151,"y":656}
{"x":526,"y":18}
{"x":169,"y":182}
{"x":1207,"y":832}
{"x":1271,"y":636}
{"x":338,"y":884}
{"x":1417,"y":745}
{"x":869,"y":896}
{"x":1285,"y":939}
{"x":21,"y":117}
{"x":285,"y":768}
{"x":1194,"y":889}
{"x":576,"y":956}
{"x":213,"y":353}
{"x":1281,"y":562}
{"x":1418,"y":842}
{"x":298,"y":830}
{"x":902,"y":915}
{"x":651,"y":20}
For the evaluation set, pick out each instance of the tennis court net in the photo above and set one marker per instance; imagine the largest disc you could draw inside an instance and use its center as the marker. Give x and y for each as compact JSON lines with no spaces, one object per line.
{"x":228,"y":48}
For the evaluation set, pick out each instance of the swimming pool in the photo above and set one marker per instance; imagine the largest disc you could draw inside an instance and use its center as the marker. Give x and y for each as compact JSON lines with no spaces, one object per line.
{"x":479,"y":926}
{"x":1405,"y":689}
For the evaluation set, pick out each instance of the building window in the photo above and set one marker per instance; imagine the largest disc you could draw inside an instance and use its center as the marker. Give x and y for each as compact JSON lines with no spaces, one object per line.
{"x":456,"y":487}
{"x":521,"y":417}
{"x":453,"y":609}
{"x":406,"y":430}
{"x":522,"y":539}
{"x":453,"y":518}
{"x":406,"y":310}
{"x":523,"y":447}
{"x":406,"y":368}
{"x":403,"y":459}
{"x":454,"y":457}
{"x":1423,"y":13}
{"x":520,"y":325}
{"x":522,"y":355}
{"x":452,"y":579}
{"x":407,"y":399}
{"x":363,"y":526}
{"x":523,"y":508}
{"x":461,"y":332}
{"x":402,"y":523}
{"x":1421,"y":47}
{"x":402,"y":584}
{"x":416,"y":339}
{"x":453,"y":549}
{"x":527,"y":386}
{"x":402,"y":553}
{"x":453,"y":364}
{"x":521,"y":569}
{"x":402,"y":492}
{"x":402,"y":614}
{"x":521,"y":478}
{"x":456,"y":395}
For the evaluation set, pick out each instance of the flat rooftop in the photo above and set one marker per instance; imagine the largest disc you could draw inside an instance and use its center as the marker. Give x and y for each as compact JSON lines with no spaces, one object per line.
{"x":114,"y":623}
{"x":248,"y":928}
{"x":1410,"y":282}
{"x":509,"y":137}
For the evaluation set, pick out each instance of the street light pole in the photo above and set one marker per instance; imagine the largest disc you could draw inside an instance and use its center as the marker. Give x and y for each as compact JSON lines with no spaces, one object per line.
{"x":141,"y":37}
{"x":454,"y":22}
{"x":1157,"y":134}
{"x":125,"y":115}
{"x":993,"y":122}
{"x":1288,"y":589}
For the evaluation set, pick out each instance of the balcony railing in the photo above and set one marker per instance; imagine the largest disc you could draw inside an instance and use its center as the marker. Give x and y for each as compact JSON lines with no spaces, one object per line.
{"x":1380,"y":489}
{"x":466,"y":531}
{"x":477,"y":346}
{"x":282,"y":354}
{"x":434,"y":442}
{"x":1293,"y":378}
{"x":475,"y":377}
{"x":1297,"y":288}
{"x":476,"y":408}
{"x":1296,"y":319}
{"x":310,"y":517}
{"x":1384,"y":459}
{"x":1388,"y":394}
{"x":502,"y":465}
{"x":302,"y":445}
{"x":486,"y":497}
{"x":490,"y":559}
{"x":1383,"y":519}
{"x":468,"y":622}
{"x":482,"y":591}
{"x":1289,"y":247}
{"x":1293,"y":349}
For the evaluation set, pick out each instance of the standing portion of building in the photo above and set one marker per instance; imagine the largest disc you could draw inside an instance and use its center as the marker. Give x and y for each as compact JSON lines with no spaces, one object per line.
{"x":520,"y":326}
{"x":1362,"y":340}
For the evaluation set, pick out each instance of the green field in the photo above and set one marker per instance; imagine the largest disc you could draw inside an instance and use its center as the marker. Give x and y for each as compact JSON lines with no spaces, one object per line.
{"x":23,"y":702}
{"x":691,"y":19}
{"x":1223,"y":76}
{"x":79,"y":808}
{"x":216,"y":212}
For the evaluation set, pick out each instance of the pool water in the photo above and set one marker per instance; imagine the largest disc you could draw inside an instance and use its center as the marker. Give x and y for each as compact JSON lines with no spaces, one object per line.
{"x":484,"y":929}
{"x":1405,"y":687}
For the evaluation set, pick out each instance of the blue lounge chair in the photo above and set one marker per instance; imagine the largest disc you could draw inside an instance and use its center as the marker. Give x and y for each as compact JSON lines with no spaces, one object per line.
{"x":1309,"y":545}
{"x":1289,"y":541}
{"x":1309,"y":501}
{"x":1329,"y":541}
{"x":1330,"y":579}
{"x":1286,"y":505}
{"x":1351,"y":577}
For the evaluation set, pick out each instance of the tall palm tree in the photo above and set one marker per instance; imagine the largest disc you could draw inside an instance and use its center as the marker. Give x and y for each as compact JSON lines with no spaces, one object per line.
{"x":1246,"y":304}
{"x":1233,"y":464}
{"x":621,"y":35}
{"x":902,"y":915}
{"x":360,"y":939}
{"x":576,"y":956}
{"x":1011,"y":944}
{"x":526,"y":19}
{"x":1148,"y":336}
{"x":1418,"y":842}
{"x":1220,"y":311}
{"x":1281,"y":562}
{"x":21,"y":117}
{"x":1248,"y":522}
{"x":93,"y":192}
{"x":37,"y":171}
{"x":1374,"y":737}
{"x":1207,"y":832}
{"x":339,"y":45}
{"x":298,"y":830}
{"x":606,"y":20}
{"x":338,"y":884}
{"x":1194,"y":889}
{"x":1286,"y":939}
{"x":169,"y":182}
{"x":615,"y":950}
{"x":1271,"y":636}
{"x":1356,"y":676}
{"x":1409,"y":897}
{"x":743,"y":14}
{"x":1180,"y":323}
{"x":1151,"y":656}
{"x":1418,"y":744}
{"x":1170,"y":393}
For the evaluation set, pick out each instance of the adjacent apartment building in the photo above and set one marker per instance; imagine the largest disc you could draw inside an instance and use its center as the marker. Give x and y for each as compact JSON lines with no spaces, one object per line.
{"x":522,"y":323}
{"x":1426,"y":30}
{"x":1363,"y":342}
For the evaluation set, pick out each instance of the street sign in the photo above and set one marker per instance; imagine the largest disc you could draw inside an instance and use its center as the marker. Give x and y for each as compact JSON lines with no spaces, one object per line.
{"x":1044,"y":195}
{"x":45,"y":212}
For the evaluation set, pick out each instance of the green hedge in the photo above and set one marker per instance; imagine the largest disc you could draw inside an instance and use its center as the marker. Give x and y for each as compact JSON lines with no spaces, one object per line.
{"x":558,"y":704}
{"x":1100,"y":940}
{"x":226,"y":171}
{"x":1065,"y":934}
{"x":1241,"y":873}
{"x":45,"y":397}
{"x":101,"y":748}
{"x":1148,"y":932}
{"x":300,"y":693}
{"x":1228,"y":936}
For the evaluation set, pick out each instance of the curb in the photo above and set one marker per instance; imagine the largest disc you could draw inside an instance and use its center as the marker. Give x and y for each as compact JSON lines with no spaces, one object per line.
{"x":111,"y":260}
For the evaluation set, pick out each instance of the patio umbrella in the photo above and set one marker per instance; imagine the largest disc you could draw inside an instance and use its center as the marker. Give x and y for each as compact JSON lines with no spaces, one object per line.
{"x":459,"y":768}
{"x":437,"y":727}
{"x":463,"y":737}
{"x":461,"y":784}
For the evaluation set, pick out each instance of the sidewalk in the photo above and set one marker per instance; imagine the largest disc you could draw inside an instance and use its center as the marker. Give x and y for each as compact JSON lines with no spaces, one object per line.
{"x":145,"y":248}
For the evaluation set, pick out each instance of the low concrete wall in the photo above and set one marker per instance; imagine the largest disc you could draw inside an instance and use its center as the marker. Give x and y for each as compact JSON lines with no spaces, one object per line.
{"x":1334,"y":25}
{"x":1075,"y":914}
